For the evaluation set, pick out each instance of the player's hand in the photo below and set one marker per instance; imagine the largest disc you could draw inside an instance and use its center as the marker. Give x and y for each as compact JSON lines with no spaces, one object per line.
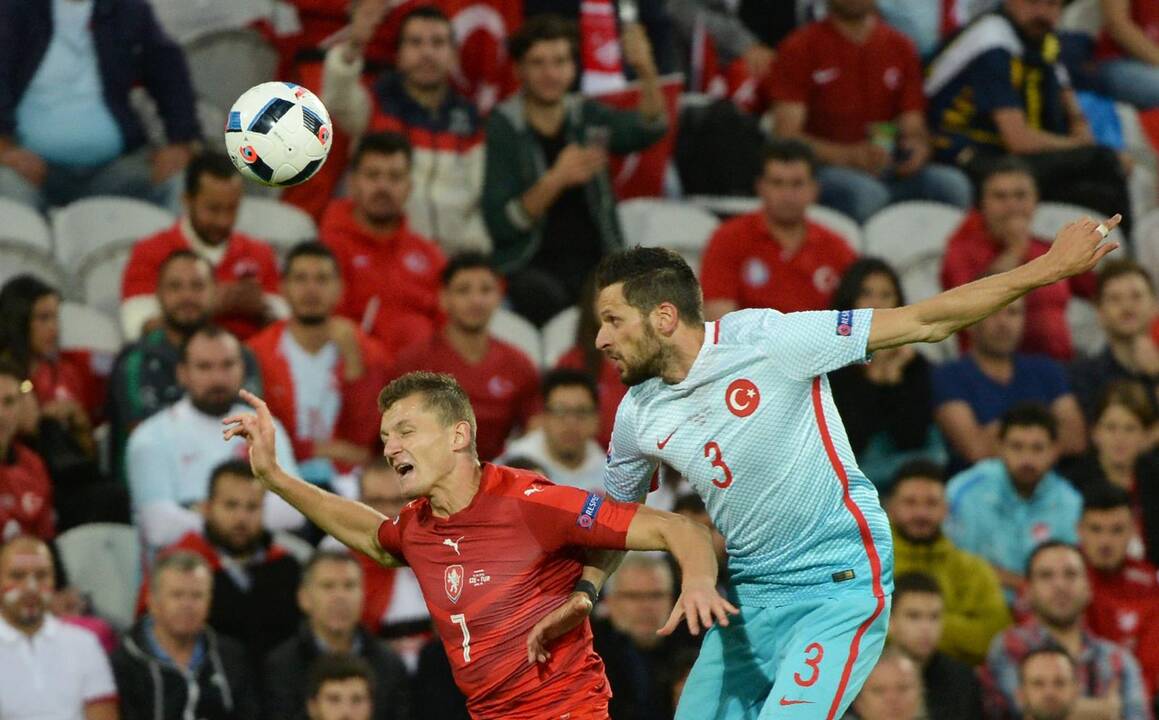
{"x":1079,"y":246}
{"x":558,"y":622}
{"x":26,"y":163}
{"x":258,"y":430}
{"x":701,"y":604}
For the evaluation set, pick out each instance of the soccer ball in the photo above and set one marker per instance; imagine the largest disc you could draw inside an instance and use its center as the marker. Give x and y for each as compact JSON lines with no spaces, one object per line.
{"x":278,"y":134}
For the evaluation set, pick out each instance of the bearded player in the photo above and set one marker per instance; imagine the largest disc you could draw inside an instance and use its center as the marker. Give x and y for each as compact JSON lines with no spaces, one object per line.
{"x":493,"y":549}
{"x":741,"y":408}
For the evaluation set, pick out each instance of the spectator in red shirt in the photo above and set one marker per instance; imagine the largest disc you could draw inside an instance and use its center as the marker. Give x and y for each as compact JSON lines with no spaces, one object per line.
{"x":1128,"y":51}
{"x":390,"y":274}
{"x":245,"y":268}
{"x":318,"y":369}
{"x":996,"y":238}
{"x":1124,"y":592}
{"x":774,"y":257}
{"x":25,"y":491}
{"x":501,"y":381}
{"x":851,"y":86}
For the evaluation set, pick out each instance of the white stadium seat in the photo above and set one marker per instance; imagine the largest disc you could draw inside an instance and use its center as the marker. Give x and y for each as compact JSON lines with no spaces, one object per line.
{"x":103,"y":561}
{"x":1052,"y":217}
{"x":559,"y":335}
{"x":910,"y":232}
{"x":1146,"y":236}
{"x":514,"y":330}
{"x":17,"y":258}
{"x":280,"y":224}
{"x":22,"y":224}
{"x":98,"y":278}
{"x":921,"y":279}
{"x":725,"y":206}
{"x":1083,"y":16}
{"x":837,"y":222}
{"x":682,"y":227}
{"x":224,"y":64}
{"x":90,"y":225}
{"x":1085,"y":332}
{"x":86,"y":328}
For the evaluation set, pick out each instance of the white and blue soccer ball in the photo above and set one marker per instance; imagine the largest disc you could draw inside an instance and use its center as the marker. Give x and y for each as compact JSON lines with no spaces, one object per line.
{"x":278,"y":134}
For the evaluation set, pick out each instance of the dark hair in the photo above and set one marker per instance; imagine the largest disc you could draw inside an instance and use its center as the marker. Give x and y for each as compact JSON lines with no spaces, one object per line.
{"x":308,"y":249}
{"x":568,"y":377}
{"x":467,"y":260}
{"x":1029,"y":414}
{"x":423,"y":12}
{"x":1043,"y":547}
{"x":321,"y":556}
{"x":1050,"y":648}
{"x":336,"y":667}
{"x":541,"y":28}
{"x":10,"y":368}
{"x":1105,"y":496}
{"x":914,"y":582}
{"x":208,"y":330}
{"x":653,"y":275}
{"x":17,"y":298}
{"x":914,"y":469}
{"x":1007,"y":165}
{"x":383,"y":143}
{"x":441,"y":393}
{"x":207,"y":163}
{"x":845,"y":296}
{"x":689,"y":502}
{"x":233,"y":468}
{"x":1130,"y":395}
{"x":789,"y":151}
{"x":588,"y":327}
{"x":1115,"y":269}
{"x":182,"y":561}
{"x":183,"y":254}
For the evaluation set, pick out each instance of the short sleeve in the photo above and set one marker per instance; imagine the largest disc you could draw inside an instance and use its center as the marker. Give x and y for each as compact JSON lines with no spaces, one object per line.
{"x":993,"y":89}
{"x":628,"y":473}
{"x":789,"y":76}
{"x":803,"y":345}
{"x":563,"y":516}
{"x":720,"y":266}
{"x":390,"y":536}
{"x":97,"y":680}
{"x":1053,"y":378}
{"x":945,"y":385}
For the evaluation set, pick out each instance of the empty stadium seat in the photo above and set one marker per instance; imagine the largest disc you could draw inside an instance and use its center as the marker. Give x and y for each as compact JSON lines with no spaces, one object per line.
{"x":225,"y":64}
{"x":98,"y":279}
{"x":837,"y":222}
{"x":910,"y":232}
{"x":24,"y":225}
{"x":515,"y":330}
{"x":1053,"y":216}
{"x":559,"y":335}
{"x":17,"y":258}
{"x":1085,"y":332}
{"x":1083,"y":16}
{"x":279,"y":224}
{"x":682,"y":227}
{"x":88,"y":226}
{"x":85,"y":328}
{"x":103,"y":561}
{"x":1146,"y":236}
{"x":920,"y":279}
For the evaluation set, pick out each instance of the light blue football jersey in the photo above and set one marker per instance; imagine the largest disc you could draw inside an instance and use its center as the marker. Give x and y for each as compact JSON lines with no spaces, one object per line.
{"x":755,"y":431}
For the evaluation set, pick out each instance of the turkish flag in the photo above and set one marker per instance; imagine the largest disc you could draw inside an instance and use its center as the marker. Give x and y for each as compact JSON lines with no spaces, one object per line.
{"x":641,"y":174}
{"x":485,"y":72}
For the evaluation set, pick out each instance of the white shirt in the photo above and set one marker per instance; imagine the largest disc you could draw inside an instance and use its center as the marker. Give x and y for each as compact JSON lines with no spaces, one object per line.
{"x":317,"y":397}
{"x":53,"y":674}
{"x":170,"y":458}
{"x":588,"y":476}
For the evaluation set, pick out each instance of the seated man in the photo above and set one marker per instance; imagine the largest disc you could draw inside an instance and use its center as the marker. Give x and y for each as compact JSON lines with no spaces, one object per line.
{"x":973,"y":608}
{"x":564,"y":444}
{"x":973,"y":392}
{"x":390,"y":273}
{"x":1002,"y":508}
{"x":1048,"y":685}
{"x":417,"y":100}
{"x":999,"y":87}
{"x":254,"y":578}
{"x":170,"y":456}
{"x":48,"y":669}
{"x":330,"y":597}
{"x":144,"y":375}
{"x":500,"y":379}
{"x":319,"y":369}
{"x":1058,"y":593}
{"x":1128,"y":52}
{"x":67,"y":129}
{"x":172,"y":663}
{"x":851,"y":86}
{"x":996,"y":238}
{"x":893,"y":690}
{"x":547,"y":196}
{"x":340,"y":687}
{"x":246,"y":270}
{"x":775,"y":257}
{"x":25,"y":487}
{"x":1124,"y":592}
{"x":915,"y":627}
{"x":1125,"y":299}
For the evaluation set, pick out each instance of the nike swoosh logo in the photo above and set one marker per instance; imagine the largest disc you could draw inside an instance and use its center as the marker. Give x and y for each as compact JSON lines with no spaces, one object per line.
{"x":661,"y":443}
{"x":786,"y":701}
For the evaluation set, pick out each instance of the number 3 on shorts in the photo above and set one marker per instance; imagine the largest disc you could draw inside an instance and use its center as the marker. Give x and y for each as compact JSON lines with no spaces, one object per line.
{"x":813,"y":656}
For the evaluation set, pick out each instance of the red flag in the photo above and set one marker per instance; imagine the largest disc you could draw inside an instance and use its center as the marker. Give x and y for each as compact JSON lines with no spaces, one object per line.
{"x":641,"y":174}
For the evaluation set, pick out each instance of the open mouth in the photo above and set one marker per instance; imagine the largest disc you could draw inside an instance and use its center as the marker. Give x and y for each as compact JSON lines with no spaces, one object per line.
{"x":404,"y":469}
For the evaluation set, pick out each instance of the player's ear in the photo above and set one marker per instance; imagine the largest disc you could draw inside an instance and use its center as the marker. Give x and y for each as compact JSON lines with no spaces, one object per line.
{"x":666,"y":318}
{"x":462,"y":436}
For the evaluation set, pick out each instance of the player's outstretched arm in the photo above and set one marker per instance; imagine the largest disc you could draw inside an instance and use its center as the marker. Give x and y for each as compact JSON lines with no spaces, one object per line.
{"x":691,"y":544}
{"x":1077,"y":248}
{"x":354,"y":525}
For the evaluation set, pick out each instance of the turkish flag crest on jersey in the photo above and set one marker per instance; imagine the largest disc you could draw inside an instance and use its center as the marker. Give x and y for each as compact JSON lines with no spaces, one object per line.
{"x":453,"y":582}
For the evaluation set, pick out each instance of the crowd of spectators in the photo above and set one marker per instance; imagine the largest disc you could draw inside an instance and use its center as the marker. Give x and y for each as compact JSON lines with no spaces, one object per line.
{"x":468,"y":177}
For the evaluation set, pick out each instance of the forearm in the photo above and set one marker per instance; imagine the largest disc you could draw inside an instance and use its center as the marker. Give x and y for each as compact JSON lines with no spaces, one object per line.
{"x":342,"y":92}
{"x":1129,"y":36}
{"x":542,"y":195}
{"x":691,"y":544}
{"x":830,"y":153}
{"x":651,"y":104}
{"x":599,"y":565}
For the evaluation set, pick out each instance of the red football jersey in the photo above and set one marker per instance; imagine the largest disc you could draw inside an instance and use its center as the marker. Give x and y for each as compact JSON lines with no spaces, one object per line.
{"x":491,"y":571}
{"x":1125,"y":609}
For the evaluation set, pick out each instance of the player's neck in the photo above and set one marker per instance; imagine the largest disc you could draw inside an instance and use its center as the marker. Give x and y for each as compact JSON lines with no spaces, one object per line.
{"x":456,"y":489}
{"x":681,"y":353}
{"x":470,"y":344}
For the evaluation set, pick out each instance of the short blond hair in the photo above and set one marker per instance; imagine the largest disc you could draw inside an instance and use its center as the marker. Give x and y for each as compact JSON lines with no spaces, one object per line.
{"x":441,"y":394}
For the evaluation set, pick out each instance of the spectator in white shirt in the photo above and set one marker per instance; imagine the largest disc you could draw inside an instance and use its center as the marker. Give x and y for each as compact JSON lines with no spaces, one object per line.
{"x":48,"y":669}
{"x":565,"y":444}
{"x":171,"y":455}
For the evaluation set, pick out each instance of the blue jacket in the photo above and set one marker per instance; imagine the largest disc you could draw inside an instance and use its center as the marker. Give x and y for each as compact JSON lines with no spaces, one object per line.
{"x":131,"y":48}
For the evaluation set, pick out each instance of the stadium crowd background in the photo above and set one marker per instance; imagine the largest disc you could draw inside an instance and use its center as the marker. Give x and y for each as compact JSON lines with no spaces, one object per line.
{"x":807,"y":155}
